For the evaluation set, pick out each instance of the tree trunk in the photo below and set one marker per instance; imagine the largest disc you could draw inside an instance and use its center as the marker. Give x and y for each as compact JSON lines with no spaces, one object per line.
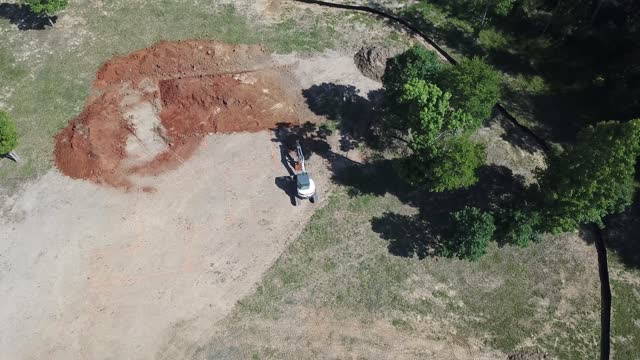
{"x":605,"y":296}
{"x":482,"y":21}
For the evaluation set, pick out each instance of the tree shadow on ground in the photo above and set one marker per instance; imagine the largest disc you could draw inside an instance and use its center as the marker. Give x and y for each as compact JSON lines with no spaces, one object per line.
{"x":313,"y":141}
{"x":355,"y":115}
{"x":421,"y":235}
{"x":408,"y":236}
{"x":359,"y":119}
{"x":24,"y":18}
{"x":516,"y":136}
{"x":621,"y":234}
{"x":559,"y":115}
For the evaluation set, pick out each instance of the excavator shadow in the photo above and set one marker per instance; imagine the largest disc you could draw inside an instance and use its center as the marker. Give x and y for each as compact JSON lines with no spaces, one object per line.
{"x":288,"y":185}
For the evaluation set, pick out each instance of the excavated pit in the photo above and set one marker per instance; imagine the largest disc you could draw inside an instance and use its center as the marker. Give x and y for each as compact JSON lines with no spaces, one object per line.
{"x":151,"y":109}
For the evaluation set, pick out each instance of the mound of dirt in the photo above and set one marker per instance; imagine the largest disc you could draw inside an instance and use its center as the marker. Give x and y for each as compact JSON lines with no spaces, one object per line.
{"x":372,"y":60}
{"x":153,"y":107}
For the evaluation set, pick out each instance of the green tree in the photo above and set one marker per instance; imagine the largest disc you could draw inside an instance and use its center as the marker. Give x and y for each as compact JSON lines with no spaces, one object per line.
{"x":471,"y":231}
{"x":46,"y":7}
{"x":427,"y":115}
{"x":8,"y":134}
{"x":415,"y":63}
{"x":440,"y":157}
{"x":451,"y":165}
{"x":592,"y":179}
{"x":487,"y":8}
{"x":475,"y":87}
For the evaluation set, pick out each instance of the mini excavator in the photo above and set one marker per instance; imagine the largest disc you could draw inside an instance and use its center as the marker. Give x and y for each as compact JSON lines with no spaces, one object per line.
{"x":305,"y":187}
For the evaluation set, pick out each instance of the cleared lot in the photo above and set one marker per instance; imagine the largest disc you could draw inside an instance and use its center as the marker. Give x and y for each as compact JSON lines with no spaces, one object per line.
{"x":89,"y":271}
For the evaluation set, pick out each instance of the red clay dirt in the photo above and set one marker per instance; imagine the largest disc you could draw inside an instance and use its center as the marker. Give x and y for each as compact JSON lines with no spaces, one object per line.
{"x":193,"y":88}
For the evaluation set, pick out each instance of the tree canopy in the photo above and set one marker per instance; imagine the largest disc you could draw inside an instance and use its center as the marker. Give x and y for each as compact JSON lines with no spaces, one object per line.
{"x":471,"y":231}
{"x":474,"y":85}
{"x":428,"y":115}
{"x":423,"y":116}
{"x":453,"y":164}
{"x":592,"y":179}
{"x":8,"y":134}
{"x":415,"y":63}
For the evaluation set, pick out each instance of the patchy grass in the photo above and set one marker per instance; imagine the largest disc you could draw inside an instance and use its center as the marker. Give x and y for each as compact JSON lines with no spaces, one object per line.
{"x":625,"y":327}
{"x":9,"y":70}
{"x":47,"y":74}
{"x":512,"y":299}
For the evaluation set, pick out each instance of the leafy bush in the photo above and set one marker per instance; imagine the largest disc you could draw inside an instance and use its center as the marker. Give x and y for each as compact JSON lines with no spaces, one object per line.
{"x":474,"y":85}
{"x":454,"y":163}
{"x":8,"y":134}
{"x":517,"y":227}
{"x":46,"y":6}
{"x":470,"y":234}
{"x":532,"y":84}
{"x":494,"y":39}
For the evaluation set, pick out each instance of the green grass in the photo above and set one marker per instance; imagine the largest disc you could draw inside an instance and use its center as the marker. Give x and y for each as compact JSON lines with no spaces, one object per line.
{"x":506,"y":299}
{"x":50,"y":84}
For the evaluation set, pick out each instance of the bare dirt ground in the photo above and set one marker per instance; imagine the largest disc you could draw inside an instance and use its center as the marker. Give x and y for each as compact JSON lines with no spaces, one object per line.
{"x":94,"y":272}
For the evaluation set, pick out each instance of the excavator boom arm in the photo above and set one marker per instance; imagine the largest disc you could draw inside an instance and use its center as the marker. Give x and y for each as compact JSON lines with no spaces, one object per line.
{"x":300,"y":155}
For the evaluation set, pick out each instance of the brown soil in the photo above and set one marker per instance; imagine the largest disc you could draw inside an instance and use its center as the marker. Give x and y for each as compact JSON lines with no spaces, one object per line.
{"x":197,"y":88}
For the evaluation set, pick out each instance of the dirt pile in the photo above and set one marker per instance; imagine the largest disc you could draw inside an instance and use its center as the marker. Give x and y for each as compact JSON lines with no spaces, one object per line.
{"x":151,"y":108}
{"x":372,"y":60}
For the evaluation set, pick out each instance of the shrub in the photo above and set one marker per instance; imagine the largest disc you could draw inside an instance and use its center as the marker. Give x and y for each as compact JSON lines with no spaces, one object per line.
{"x":517,"y":227}
{"x":474,"y":85}
{"x":494,"y":39}
{"x":454,"y":164}
{"x":471,"y":231}
{"x":46,"y":6}
{"x":8,"y":134}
